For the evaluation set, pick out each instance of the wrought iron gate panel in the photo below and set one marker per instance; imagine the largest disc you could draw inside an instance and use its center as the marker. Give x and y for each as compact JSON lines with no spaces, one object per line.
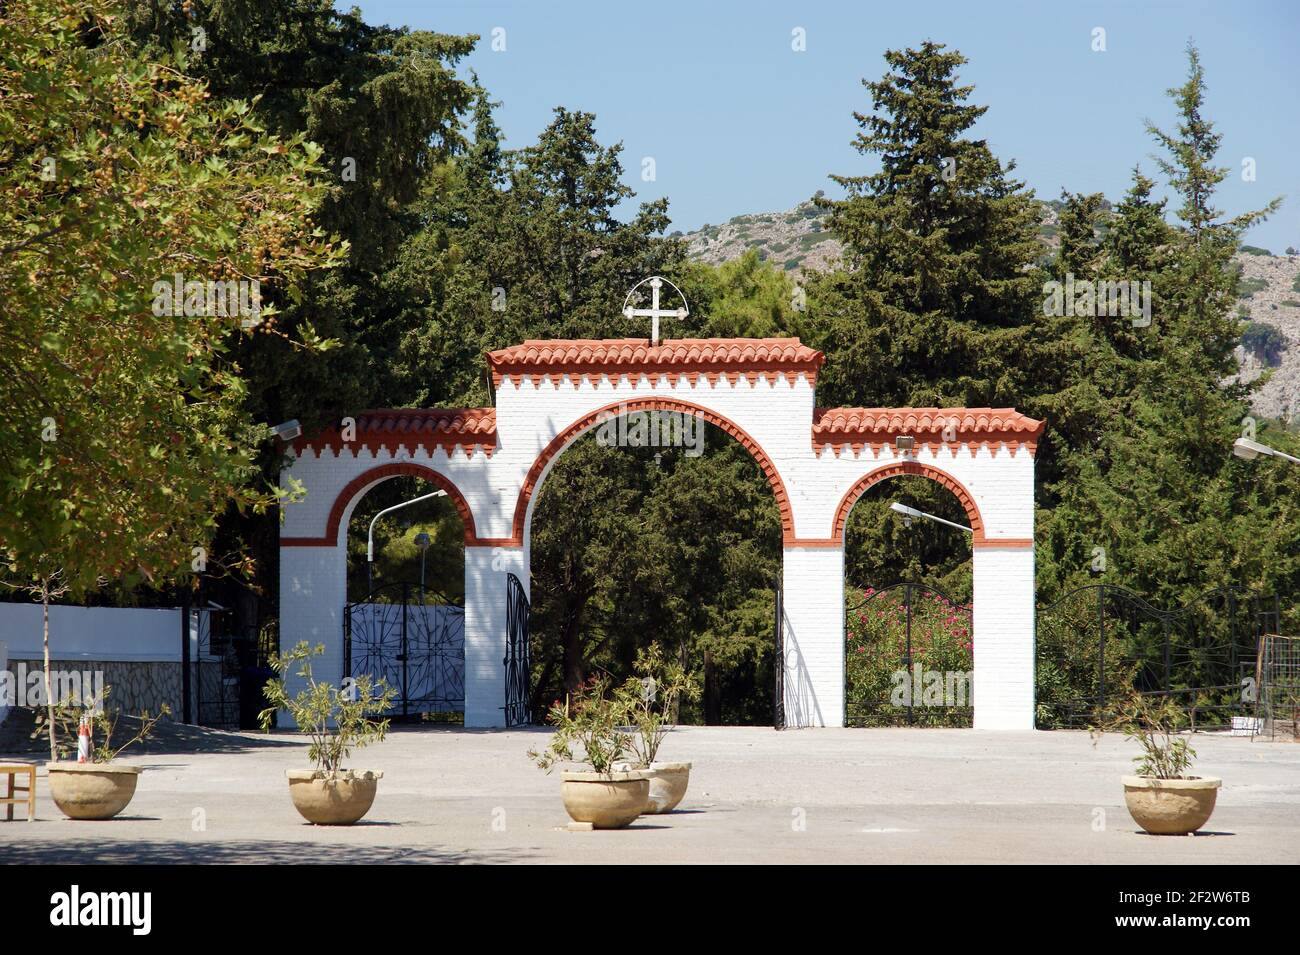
{"x":903,"y":608}
{"x":413,"y":639}
{"x":778,"y":662}
{"x":516,"y":660}
{"x":1103,"y":640}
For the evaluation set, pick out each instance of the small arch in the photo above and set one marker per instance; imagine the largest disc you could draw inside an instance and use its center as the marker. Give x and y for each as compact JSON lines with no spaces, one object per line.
{"x":561,"y":440}
{"x":359,"y":483}
{"x":897,"y":470}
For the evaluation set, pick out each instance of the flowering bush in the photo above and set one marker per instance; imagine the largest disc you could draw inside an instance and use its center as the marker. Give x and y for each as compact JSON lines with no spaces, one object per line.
{"x":880,"y":675}
{"x":591,"y":719}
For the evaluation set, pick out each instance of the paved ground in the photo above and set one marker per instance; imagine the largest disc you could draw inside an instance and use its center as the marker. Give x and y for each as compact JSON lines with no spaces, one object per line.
{"x":898,"y":796}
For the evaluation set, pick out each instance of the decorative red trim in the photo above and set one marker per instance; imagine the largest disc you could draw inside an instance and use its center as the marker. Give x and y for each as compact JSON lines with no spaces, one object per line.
{"x":1018,"y":543}
{"x":355,"y":486}
{"x":654,"y":404}
{"x":409,"y":428}
{"x":874,"y":428}
{"x":897,"y":470}
{"x":712,"y":359}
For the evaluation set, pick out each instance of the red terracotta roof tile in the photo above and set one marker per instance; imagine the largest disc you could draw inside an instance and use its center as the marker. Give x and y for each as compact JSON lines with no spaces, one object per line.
{"x":970,"y":426}
{"x":410,"y":427}
{"x":672,"y":357}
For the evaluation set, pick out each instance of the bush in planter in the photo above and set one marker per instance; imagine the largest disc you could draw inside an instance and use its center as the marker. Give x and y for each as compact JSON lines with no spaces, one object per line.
{"x":593,"y":720}
{"x":101,"y":787}
{"x":337,"y":721}
{"x":1163,"y":798}
{"x":650,"y":700}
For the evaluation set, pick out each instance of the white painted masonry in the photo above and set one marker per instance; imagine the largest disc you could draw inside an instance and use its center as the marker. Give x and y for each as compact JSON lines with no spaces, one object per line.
{"x":767,"y":403}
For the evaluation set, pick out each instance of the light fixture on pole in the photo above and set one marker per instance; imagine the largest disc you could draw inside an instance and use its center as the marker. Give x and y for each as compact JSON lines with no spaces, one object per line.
{"x":910,"y":513}
{"x":370,"y":536}
{"x":422,"y":542}
{"x":1248,"y":450}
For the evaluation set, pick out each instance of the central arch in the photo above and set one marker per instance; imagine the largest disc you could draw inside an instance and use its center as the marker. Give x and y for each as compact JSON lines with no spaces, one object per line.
{"x":898,"y":470}
{"x":542,"y":464}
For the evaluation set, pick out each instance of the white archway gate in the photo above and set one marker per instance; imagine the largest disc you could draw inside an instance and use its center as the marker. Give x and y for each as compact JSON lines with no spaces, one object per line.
{"x":492,"y":461}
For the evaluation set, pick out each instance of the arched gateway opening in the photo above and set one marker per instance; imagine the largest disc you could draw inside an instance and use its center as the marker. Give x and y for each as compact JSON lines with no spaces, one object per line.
{"x":817,"y":462}
{"x":657,"y":522}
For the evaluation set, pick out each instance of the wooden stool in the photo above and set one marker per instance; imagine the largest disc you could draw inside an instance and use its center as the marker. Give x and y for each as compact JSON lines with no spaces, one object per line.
{"x":13,"y":769}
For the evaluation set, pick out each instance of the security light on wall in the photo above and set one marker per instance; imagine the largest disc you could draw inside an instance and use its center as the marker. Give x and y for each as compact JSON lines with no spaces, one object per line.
{"x":905,"y":443}
{"x":288,"y":430}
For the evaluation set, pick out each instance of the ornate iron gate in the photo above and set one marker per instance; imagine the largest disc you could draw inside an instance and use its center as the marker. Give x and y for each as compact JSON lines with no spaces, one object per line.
{"x":1102,"y":640}
{"x":908,"y":658}
{"x":516,"y":661}
{"x":217,"y":670}
{"x":414,"y":640}
{"x":778,"y":662}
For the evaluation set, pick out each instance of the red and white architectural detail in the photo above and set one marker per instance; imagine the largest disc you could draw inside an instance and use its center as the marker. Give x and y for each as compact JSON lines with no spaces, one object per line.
{"x":818,"y":461}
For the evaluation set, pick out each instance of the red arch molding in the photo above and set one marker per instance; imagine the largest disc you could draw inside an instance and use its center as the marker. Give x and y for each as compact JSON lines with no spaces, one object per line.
{"x":922,"y":470}
{"x":357,"y":484}
{"x":654,"y":404}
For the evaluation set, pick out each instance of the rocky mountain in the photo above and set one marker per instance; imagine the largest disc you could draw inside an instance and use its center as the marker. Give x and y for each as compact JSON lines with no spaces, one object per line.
{"x":797,"y":241}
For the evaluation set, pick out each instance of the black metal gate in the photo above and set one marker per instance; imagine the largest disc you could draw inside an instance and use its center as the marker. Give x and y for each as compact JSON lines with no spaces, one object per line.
{"x":516,"y":661}
{"x":778,"y":662}
{"x":414,"y":640}
{"x":908,"y":657}
{"x":1102,"y":641}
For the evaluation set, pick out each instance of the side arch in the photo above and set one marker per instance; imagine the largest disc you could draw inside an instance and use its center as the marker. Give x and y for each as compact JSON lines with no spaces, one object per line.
{"x":897,"y":470}
{"x":359,"y":483}
{"x":619,"y":408}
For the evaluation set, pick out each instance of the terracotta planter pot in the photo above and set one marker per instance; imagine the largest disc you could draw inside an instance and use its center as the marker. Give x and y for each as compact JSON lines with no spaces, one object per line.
{"x":668,"y":783}
{"x":1171,"y":807}
{"x":92,"y":790}
{"x":606,"y":800}
{"x":337,"y":801}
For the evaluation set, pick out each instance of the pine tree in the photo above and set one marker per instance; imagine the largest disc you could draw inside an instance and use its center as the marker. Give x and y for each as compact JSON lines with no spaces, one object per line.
{"x":935,"y":303}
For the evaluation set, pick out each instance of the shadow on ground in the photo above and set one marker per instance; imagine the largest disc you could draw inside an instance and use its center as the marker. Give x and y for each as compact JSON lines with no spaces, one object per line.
{"x":168,"y":737}
{"x":155,"y":852}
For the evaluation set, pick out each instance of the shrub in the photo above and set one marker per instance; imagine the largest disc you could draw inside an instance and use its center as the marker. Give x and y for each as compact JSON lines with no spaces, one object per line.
{"x":337,"y":721}
{"x":592,"y":719}
{"x":1152,"y":725}
{"x":1266,"y":342}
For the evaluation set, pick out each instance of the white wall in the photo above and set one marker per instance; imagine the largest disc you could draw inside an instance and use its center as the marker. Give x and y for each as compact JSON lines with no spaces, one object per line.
{"x":111,"y":634}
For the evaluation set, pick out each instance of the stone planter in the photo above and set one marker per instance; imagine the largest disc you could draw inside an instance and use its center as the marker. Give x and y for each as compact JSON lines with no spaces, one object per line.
{"x":332,"y":801}
{"x":92,"y":790}
{"x":1171,"y":807}
{"x":605,"y":800}
{"x":668,"y":783}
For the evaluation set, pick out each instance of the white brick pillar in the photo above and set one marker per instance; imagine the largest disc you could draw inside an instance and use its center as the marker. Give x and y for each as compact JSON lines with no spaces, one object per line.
{"x":1003,"y":594}
{"x":486,"y":570}
{"x":813,"y":597}
{"x":313,"y":591}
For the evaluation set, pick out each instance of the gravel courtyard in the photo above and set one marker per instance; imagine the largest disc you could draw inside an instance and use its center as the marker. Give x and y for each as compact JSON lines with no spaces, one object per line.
{"x":854,"y":796}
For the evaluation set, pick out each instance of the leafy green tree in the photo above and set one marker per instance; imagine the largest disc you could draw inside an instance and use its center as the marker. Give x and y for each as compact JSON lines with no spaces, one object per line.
{"x":127,"y":429}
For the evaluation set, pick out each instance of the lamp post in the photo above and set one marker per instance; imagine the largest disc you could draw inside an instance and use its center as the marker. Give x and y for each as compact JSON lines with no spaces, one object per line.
{"x":422,"y":542}
{"x":370,"y":537}
{"x":1248,"y":450}
{"x":910,"y":513}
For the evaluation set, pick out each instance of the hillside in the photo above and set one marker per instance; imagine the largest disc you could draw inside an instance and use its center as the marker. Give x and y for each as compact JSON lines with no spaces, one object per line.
{"x":797,"y":241}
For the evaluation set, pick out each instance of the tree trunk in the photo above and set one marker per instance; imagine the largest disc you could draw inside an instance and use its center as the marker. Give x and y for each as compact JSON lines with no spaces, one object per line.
{"x":49,"y":689}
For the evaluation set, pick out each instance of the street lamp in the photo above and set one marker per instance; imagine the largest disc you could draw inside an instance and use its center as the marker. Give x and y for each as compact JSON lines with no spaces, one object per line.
{"x":370,"y":536}
{"x":909,"y":513}
{"x":1249,"y":450}
{"x":422,"y":542}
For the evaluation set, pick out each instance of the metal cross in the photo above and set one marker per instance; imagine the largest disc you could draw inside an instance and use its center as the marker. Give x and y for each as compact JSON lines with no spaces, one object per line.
{"x":654,"y":312}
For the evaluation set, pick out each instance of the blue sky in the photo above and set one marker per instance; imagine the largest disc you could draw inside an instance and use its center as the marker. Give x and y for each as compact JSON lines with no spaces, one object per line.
{"x":736,"y":121}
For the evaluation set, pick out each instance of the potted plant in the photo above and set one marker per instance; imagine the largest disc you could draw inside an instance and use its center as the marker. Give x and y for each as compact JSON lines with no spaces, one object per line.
{"x":651,"y":699}
{"x":604,"y":797}
{"x":337,"y":721}
{"x":100,"y":787}
{"x":1161,"y":797}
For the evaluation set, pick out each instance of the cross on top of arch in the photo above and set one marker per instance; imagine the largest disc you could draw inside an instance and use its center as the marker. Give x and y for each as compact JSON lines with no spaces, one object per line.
{"x":654,"y":312}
